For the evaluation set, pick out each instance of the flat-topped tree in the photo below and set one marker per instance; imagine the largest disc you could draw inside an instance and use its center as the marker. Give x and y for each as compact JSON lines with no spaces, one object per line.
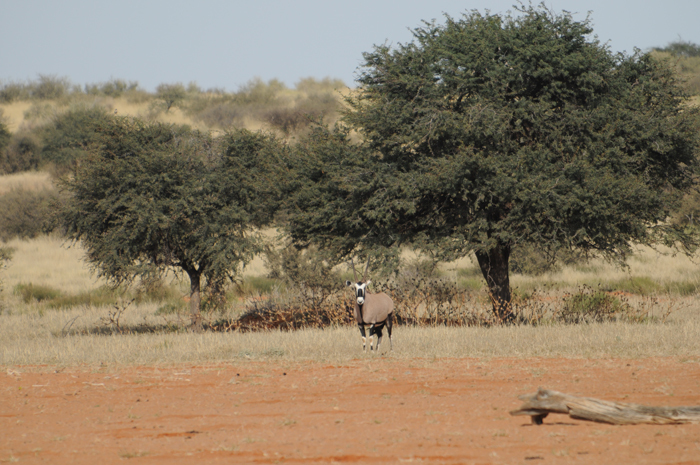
{"x":490,"y":131}
{"x":152,"y":197}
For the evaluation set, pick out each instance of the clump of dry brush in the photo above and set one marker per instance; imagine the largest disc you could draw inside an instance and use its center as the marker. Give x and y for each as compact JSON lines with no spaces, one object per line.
{"x":314,"y":297}
{"x":439,"y":301}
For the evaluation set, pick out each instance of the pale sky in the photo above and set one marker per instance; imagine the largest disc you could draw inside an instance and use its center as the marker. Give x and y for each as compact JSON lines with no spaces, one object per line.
{"x":224,"y":44}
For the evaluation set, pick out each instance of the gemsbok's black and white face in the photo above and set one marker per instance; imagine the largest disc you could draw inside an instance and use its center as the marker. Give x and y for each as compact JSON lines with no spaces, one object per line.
{"x":360,"y":290}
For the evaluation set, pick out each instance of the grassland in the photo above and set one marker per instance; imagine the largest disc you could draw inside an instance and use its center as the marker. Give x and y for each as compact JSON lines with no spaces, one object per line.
{"x":54,"y":311}
{"x":34,"y":333}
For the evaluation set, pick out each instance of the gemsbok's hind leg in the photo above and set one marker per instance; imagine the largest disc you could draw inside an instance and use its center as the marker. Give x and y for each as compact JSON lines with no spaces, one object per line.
{"x":389,"y":324}
{"x":378,"y":332}
{"x":364,"y":338}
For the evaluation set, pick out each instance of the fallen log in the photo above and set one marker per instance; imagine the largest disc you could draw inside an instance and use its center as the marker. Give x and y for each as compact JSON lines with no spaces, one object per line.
{"x":544,"y":402}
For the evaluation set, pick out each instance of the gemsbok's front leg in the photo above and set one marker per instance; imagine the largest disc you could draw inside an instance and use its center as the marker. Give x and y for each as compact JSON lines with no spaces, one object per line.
{"x":364,"y":337}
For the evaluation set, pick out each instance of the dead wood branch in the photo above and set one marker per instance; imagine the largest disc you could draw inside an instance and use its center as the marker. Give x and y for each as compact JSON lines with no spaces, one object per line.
{"x":544,"y":402}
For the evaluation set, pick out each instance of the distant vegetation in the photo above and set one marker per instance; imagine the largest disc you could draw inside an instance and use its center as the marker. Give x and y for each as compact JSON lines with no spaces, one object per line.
{"x":268,"y":104}
{"x":58,"y":126}
{"x":685,"y":57}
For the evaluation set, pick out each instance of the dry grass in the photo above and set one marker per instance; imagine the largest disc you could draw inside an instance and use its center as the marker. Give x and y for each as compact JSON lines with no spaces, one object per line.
{"x":32,"y":333}
{"x":26,"y":180}
{"x":14,"y":113}
{"x":35,"y":339}
{"x":48,"y":261}
{"x":661,"y":266}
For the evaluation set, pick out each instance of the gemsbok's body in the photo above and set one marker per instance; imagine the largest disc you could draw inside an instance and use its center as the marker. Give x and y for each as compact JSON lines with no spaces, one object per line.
{"x":371,"y":310}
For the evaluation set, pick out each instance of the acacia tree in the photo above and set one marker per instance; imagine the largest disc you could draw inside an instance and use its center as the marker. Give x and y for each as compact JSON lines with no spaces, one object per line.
{"x":152,"y":197}
{"x":171,"y":95}
{"x":488,"y":132}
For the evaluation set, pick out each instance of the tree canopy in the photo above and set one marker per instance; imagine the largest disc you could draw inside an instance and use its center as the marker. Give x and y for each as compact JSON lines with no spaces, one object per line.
{"x":152,"y":197}
{"x":491,"y":131}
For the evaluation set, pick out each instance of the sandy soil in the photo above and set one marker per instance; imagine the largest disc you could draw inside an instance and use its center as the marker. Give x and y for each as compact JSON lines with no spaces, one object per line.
{"x":374,"y":410}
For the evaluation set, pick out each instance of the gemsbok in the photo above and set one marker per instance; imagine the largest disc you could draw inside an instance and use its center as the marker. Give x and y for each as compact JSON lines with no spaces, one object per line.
{"x":373,"y":310}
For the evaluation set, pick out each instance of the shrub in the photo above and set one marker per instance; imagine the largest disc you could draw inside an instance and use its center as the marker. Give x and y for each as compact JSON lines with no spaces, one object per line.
{"x":590,"y":306}
{"x":5,"y":257}
{"x":222,"y":115}
{"x":307,"y":273}
{"x":5,"y":134}
{"x":286,"y":120}
{"x":531,"y":260}
{"x":171,"y":95}
{"x":50,"y":87}
{"x":54,"y":298}
{"x":325,"y":85}
{"x":13,"y":91}
{"x":23,"y":153}
{"x":114,"y":88}
{"x":29,"y":292}
{"x":684,"y":57}
{"x":70,"y":134}
{"x":40,"y":112}
{"x":99,"y":297}
{"x":681,"y":48}
{"x":640,"y":285}
{"x":257,"y":92}
{"x":25,"y":214}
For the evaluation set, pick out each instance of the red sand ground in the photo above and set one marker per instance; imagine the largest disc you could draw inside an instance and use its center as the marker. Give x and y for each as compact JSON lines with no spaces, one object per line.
{"x":368,"y":411}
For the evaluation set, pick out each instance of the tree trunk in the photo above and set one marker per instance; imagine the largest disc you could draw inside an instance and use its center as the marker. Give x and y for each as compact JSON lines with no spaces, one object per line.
{"x":494,"y":267}
{"x":544,"y":402}
{"x":195,"y":299}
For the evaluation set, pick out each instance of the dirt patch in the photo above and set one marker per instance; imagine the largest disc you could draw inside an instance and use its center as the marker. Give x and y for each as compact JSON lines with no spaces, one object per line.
{"x":376,"y":410}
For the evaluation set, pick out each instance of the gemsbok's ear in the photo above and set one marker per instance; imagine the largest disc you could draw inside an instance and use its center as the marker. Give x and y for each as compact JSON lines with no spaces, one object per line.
{"x":347,"y":283}
{"x":369,"y":281}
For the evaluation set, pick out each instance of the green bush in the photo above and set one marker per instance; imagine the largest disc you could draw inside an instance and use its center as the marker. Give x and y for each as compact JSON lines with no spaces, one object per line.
{"x":257,"y":92}
{"x":100,"y":297}
{"x":154,"y":289}
{"x":257,"y":285}
{"x":531,"y":260}
{"x":40,"y":112}
{"x":13,"y":91}
{"x":5,"y":134}
{"x":114,"y":88}
{"x":50,"y":87}
{"x":5,"y":257}
{"x":682,"y":288}
{"x":29,"y":292}
{"x":684,"y":57}
{"x":640,"y":285}
{"x":591,"y":306}
{"x":223,"y":115}
{"x":305,"y":272}
{"x":171,"y":95}
{"x":53,"y":298}
{"x":25,"y":214}
{"x":70,"y":134}
{"x":23,"y":153}
{"x":326,"y":85}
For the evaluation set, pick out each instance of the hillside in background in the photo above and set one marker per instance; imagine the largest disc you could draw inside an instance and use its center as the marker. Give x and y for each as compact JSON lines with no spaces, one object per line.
{"x":256,"y":105}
